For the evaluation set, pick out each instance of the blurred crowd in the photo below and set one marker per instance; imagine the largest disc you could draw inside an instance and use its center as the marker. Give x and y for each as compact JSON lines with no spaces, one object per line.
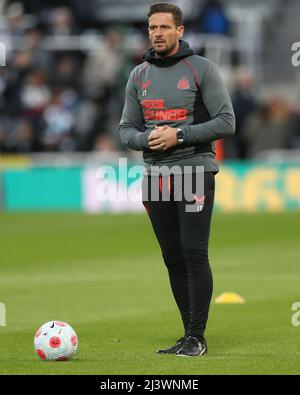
{"x":58,"y":99}
{"x":66,"y":99}
{"x":272,"y":123}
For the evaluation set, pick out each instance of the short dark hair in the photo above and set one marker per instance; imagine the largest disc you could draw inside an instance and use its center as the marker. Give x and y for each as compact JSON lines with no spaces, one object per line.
{"x":167,"y":8}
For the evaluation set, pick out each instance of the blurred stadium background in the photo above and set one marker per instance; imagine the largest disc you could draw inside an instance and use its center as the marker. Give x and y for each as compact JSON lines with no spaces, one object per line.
{"x":61,"y":96}
{"x":62,"y":92}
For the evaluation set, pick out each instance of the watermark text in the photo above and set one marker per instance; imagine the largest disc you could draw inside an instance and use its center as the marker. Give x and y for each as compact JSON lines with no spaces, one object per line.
{"x":2,"y":314}
{"x":296,"y":56}
{"x":296,"y":316}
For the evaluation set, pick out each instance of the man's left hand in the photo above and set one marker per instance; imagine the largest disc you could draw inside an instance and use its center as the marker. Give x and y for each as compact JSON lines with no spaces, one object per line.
{"x":162,"y":138}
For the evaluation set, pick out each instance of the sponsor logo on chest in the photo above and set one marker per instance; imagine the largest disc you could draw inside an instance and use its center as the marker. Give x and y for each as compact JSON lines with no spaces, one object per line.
{"x":156,"y":110}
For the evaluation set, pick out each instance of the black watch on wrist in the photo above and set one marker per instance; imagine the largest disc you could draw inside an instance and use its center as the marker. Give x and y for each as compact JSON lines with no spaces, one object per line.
{"x":180,"y":135}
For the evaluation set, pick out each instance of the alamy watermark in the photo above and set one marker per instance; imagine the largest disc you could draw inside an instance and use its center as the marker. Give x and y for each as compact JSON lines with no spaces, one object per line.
{"x":2,"y":54}
{"x":296,"y":56}
{"x":296,"y":316}
{"x":2,"y":314}
{"x":152,"y":183}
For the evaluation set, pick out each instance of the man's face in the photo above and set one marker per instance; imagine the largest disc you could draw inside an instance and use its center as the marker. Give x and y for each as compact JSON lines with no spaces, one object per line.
{"x":164,"y":34}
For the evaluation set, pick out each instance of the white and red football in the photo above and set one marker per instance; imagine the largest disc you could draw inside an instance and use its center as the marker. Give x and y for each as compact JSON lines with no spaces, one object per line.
{"x":55,"y":341}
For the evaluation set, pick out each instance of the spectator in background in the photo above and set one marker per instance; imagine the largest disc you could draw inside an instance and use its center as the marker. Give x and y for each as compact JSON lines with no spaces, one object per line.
{"x":65,"y":71}
{"x":62,"y":22}
{"x":244,"y":103}
{"x":102,"y":66}
{"x":34,"y":97}
{"x":88,"y":119}
{"x":213,"y":18}
{"x":35,"y":94}
{"x":58,"y":121}
{"x":102,"y":75}
{"x":270,"y":127}
{"x":17,"y":136}
{"x":19,"y":67}
{"x":33,"y":39}
{"x":24,"y":137}
{"x":16,"y":19}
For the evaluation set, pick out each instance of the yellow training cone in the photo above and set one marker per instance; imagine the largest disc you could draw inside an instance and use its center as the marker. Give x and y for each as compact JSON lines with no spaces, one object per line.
{"x":229,"y":297}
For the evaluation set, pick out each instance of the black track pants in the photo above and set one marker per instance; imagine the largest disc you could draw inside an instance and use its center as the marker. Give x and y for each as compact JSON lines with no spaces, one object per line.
{"x":183,"y":237}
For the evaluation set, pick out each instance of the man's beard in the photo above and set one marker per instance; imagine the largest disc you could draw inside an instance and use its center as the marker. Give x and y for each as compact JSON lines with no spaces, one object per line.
{"x":165,"y":52}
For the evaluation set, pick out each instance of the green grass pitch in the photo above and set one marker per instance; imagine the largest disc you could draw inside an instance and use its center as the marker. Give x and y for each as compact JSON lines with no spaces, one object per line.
{"x":103,"y":274}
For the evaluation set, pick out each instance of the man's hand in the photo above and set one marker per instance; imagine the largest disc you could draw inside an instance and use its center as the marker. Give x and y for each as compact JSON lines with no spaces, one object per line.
{"x":162,"y":138}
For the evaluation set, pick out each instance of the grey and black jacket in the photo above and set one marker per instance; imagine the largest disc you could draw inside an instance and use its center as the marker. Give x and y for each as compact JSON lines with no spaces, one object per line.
{"x":183,"y":90}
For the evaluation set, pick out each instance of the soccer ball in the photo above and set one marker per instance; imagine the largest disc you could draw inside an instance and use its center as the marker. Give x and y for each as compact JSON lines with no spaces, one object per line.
{"x":55,"y":341}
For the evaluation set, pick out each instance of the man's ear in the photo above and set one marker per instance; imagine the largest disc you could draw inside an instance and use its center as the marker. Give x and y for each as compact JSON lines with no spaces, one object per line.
{"x":180,"y":31}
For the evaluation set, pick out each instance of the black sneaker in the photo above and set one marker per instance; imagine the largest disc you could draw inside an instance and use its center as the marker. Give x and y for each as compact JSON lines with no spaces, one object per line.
{"x":192,"y":347}
{"x":173,"y":349}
